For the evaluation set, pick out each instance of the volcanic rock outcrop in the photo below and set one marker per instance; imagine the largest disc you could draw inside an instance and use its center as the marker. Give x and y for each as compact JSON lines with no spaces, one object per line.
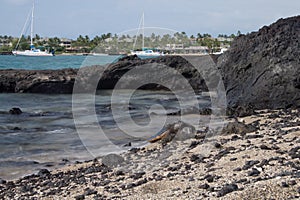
{"x":104,"y":77}
{"x":37,"y":81}
{"x":262,"y":69}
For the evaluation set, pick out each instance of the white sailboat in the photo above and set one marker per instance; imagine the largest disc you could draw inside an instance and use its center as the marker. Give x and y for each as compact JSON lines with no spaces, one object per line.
{"x":144,"y":52}
{"x":33,"y":51}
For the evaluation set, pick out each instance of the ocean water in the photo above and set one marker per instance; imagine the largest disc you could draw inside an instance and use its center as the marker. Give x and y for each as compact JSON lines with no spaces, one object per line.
{"x":45,"y":134}
{"x":55,"y":62}
{"x":48,"y":134}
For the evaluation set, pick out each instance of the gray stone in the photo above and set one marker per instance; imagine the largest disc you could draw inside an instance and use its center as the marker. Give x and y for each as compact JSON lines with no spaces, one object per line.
{"x":227,"y":189}
{"x":112,"y":160}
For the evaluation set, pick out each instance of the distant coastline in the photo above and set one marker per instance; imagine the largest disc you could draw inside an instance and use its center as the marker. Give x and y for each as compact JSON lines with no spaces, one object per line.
{"x":178,"y":43}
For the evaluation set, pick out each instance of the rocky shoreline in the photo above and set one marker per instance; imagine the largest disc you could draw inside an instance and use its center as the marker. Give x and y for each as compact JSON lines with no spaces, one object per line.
{"x":255,"y":157}
{"x":62,"y":81}
{"x":261,"y":70}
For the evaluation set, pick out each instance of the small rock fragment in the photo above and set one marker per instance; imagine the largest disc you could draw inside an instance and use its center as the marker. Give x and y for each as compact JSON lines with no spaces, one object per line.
{"x":227,"y":189}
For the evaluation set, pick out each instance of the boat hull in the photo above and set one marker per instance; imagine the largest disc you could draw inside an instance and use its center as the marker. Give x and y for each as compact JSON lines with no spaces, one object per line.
{"x":147,"y":53}
{"x":32,"y":53}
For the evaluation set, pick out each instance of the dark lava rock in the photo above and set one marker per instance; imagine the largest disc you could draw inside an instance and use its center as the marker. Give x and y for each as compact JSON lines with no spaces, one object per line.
{"x":292,"y":182}
{"x":80,"y":197}
{"x":123,"y":186}
{"x":138,"y":175}
{"x":44,"y":173}
{"x":140,"y":182}
{"x":263,"y":162}
{"x":175,"y":168}
{"x":196,"y":158}
{"x":262,"y":68}
{"x":37,"y":81}
{"x":253,"y":172}
{"x":253,"y":136}
{"x":264,"y":147}
{"x":2,"y":181}
{"x":237,"y":169}
{"x":204,"y":186}
{"x":15,"y":111}
{"x":104,"y":182}
{"x":224,"y":152}
{"x":26,"y":188}
{"x":227,"y":189}
{"x":205,"y":111}
{"x":158,"y":177}
{"x":235,"y":137}
{"x":130,"y":185}
{"x":243,"y":180}
{"x":194,"y":144}
{"x":155,"y":68}
{"x":127,"y":145}
{"x":238,"y":128}
{"x":129,"y":58}
{"x":119,"y":173}
{"x":295,"y":152}
{"x":112,"y":160}
{"x":134,"y":150}
{"x":217,"y":145}
{"x":249,"y":164}
{"x":284,"y":184}
{"x":188,"y":167}
{"x":88,"y":79}
{"x":89,"y":191}
{"x":209,"y":178}
{"x":65,"y":160}
{"x":240,"y":111}
{"x":114,"y":191}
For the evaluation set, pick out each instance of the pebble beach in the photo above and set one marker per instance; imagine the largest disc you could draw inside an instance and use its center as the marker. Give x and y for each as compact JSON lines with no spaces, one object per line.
{"x":255,"y":157}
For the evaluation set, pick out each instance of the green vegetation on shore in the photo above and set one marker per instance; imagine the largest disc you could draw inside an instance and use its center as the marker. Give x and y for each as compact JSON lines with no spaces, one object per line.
{"x":112,"y":43}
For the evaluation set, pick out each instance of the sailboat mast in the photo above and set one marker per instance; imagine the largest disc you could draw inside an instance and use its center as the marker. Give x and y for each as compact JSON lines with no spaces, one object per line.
{"x":143,"y":27}
{"x":31,"y":31}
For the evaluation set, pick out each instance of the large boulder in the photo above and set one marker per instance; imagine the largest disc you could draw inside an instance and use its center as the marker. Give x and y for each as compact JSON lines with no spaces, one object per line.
{"x":164,"y":69}
{"x":262,"y":69}
{"x":37,"y":81}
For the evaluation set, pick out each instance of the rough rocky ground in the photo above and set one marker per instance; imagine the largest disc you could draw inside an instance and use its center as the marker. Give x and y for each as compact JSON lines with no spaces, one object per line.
{"x":255,"y":157}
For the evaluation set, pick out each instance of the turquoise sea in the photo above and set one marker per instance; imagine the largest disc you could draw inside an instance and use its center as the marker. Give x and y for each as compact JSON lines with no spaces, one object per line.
{"x":55,"y":62}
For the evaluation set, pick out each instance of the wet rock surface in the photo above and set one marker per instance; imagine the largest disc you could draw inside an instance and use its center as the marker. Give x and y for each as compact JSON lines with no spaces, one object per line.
{"x":37,"y":81}
{"x":15,"y":111}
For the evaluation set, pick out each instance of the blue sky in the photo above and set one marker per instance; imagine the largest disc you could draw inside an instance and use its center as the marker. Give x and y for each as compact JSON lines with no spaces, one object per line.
{"x":69,"y":18}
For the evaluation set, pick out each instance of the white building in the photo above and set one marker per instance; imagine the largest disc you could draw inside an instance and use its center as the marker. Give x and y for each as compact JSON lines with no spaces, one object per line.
{"x":64,"y":42}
